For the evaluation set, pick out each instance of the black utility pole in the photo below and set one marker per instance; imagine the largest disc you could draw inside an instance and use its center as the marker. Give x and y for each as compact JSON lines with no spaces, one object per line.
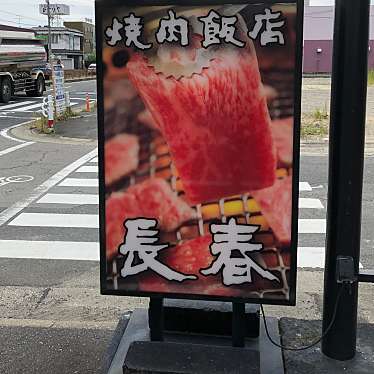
{"x":347,"y":140}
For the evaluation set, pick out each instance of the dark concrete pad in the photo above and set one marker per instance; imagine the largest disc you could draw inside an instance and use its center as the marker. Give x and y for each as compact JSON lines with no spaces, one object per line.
{"x":177,"y":350}
{"x":182,"y":358}
{"x":298,"y":333}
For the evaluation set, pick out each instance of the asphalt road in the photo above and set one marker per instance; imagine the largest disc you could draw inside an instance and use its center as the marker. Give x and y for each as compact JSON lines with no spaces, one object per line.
{"x":51,"y":303}
{"x":22,"y":108}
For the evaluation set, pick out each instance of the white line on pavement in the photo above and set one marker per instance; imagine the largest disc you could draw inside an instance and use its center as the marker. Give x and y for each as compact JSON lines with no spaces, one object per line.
{"x":14,"y":148}
{"x":310,"y":203}
{"x":84,"y":93}
{"x":305,"y":186}
{"x":87,"y":169}
{"x":88,"y":221}
{"x":5,"y":107}
{"x":312,"y":226}
{"x":10,"y":212}
{"x":77,"y":199}
{"x":78,"y":182}
{"x":28,"y":107}
{"x":312,"y":257}
{"x":96,"y":160}
{"x":4,"y":132}
{"x":52,"y":250}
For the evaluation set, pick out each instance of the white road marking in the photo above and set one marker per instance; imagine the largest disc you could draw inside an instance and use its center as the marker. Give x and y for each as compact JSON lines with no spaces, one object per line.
{"x":78,"y":182}
{"x":87,"y":169}
{"x":96,"y":160}
{"x":61,"y":198}
{"x":13,"y":210}
{"x":310,"y":203}
{"x":14,"y":148}
{"x":312,"y":257}
{"x":15,"y":179}
{"x":84,"y":93}
{"x":4,"y":132}
{"x":312,"y":226}
{"x":28,"y":107}
{"x":52,"y":250}
{"x":15,"y":117}
{"x":88,"y":221}
{"x":305,"y":186}
{"x":5,"y":107}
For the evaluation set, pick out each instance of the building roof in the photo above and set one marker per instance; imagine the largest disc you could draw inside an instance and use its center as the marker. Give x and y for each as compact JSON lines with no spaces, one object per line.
{"x":57,"y":30}
{"x":13,"y":28}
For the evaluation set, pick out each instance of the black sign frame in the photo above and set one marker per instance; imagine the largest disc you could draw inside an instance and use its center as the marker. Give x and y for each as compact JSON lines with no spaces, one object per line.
{"x":100,"y":7}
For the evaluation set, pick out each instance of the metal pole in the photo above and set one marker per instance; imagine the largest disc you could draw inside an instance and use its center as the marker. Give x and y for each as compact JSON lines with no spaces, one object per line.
{"x":49,"y":32}
{"x":347,"y":140}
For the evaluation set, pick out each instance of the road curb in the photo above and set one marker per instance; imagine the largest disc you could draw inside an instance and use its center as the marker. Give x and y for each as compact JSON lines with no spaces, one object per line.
{"x":25,"y":132}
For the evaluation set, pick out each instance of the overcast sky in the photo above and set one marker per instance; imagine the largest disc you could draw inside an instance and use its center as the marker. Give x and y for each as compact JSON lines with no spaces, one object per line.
{"x":26,"y":12}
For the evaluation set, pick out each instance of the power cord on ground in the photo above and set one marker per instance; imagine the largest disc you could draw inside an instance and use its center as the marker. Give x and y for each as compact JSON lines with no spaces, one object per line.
{"x":323,"y":335}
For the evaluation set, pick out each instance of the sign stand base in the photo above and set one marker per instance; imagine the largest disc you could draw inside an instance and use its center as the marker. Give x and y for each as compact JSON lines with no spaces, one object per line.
{"x":184,"y":349}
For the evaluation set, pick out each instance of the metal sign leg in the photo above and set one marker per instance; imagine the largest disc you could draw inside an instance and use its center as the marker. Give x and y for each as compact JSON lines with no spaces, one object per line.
{"x":156,"y":318}
{"x":238,"y":324}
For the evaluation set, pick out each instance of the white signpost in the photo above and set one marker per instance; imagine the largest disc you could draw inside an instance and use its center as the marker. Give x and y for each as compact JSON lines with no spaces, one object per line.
{"x":54,"y":9}
{"x":58,"y":88}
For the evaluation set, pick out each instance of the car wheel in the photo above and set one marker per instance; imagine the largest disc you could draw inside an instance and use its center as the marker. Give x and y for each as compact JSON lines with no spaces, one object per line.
{"x":39,"y":87}
{"x":5,"y":90}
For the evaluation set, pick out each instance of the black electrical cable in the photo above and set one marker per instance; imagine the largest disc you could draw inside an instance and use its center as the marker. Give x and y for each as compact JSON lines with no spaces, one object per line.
{"x":316,"y":342}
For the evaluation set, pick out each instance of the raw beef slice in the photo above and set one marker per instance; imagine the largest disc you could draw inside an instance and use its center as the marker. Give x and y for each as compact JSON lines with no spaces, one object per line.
{"x":121,"y":157}
{"x":276,"y":206}
{"x":152,"y":198}
{"x":216,"y":124}
{"x":282,"y":130}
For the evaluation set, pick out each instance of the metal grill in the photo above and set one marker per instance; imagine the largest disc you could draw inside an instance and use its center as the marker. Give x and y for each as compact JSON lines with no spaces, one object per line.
{"x":155,"y":161}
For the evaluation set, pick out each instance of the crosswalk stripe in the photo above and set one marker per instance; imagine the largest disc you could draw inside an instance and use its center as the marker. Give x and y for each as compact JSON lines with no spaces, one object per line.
{"x":305,"y":203}
{"x":312,"y":257}
{"x":28,"y":107}
{"x":35,"y":106}
{"x":312,"y":226}
{"x":95,"y":160}
{"x":89,"y":221}
{"x":305,"y":186}
{"x":82,"y":199}
{"x":5,"y":107}
{"x":79,"y":182}
{"x":79,"y":199}
{"x":52,"y":250}
{"x":87,"y":169}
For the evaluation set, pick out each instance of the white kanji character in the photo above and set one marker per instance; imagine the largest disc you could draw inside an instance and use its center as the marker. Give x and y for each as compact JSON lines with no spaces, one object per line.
{"x":170,"y":27}
{"x":269,"y":35}
{"x":133,"y":30}
{"x":231,"y":243}
{"x":141,"y":241}
{"x":215,"y":31}
{"x":113,"y":32}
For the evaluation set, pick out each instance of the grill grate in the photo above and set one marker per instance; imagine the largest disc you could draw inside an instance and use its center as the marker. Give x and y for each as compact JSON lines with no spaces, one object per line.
{"x":155,"y":161}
